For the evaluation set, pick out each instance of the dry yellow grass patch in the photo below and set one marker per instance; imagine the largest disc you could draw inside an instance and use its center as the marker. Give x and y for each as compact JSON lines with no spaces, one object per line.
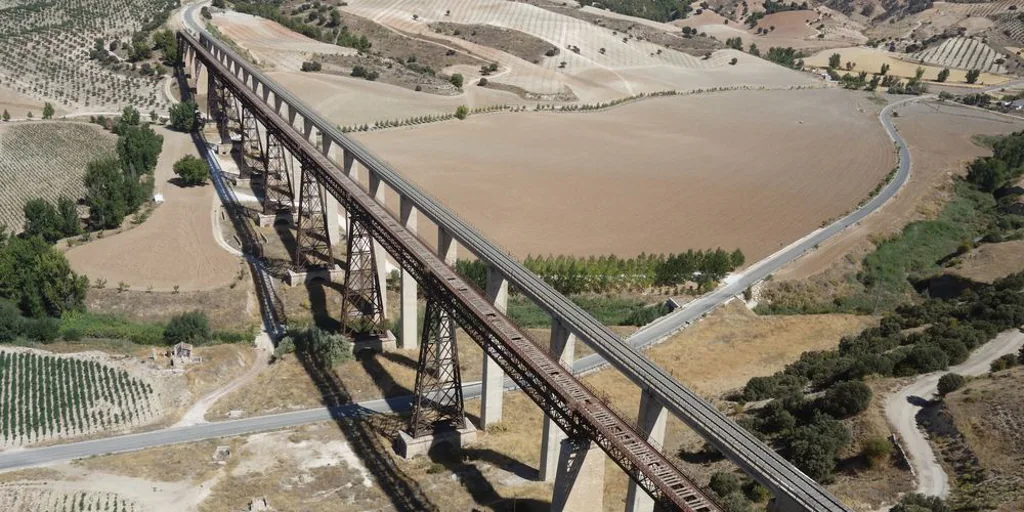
{"x":871,"y":60}
{"x":991,"y":261}
{"x":192,"y":462}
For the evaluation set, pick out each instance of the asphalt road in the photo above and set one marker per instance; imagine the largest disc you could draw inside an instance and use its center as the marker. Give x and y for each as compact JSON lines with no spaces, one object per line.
{"x":901,"y":409}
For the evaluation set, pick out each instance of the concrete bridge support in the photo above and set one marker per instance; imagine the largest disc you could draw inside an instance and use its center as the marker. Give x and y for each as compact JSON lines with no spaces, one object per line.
{"x":651,"y":422}
{"x":579,"y":484}
{"x":408,"y":312}
{"x":493,"y":378}
{"x":447,"y":249}
{"x":563,"y":346}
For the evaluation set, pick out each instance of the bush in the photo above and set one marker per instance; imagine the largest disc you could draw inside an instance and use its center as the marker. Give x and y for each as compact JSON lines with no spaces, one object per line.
{"x":724,"y":484}
{"x":756,"y":492}
{"x":736,"y":502}
{"x":324,"y":348}
{"x":89,"y":325}
{"x":10,"y":322}
{"x":183,"y":116}
{"x":192,"y":171}
{"x":1004,"y":362}
{"x":482,"y":82}
{"x":192,"y":327}
{"x":462,"y":112}
{"x":71,"y":334}
{"x":311,"y":65}
{"x":846,"y":399}
{"x":43,"y":329}
{"x":358,"y":71}
{"x":916,"y":502}
{"x":876,"y":450}
{"x":456,"y":80}
{"x":951,"y":382}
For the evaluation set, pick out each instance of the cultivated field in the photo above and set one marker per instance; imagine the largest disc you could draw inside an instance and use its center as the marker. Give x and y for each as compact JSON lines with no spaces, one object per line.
{"x":962,"y":53}
{"x":871,"y":60}
{"x":45,"y":160}
{"x":44,"y":53}
{"x":637,"y":178}
{"x":45,"y":397}
{"x":174,"y":247}
{"x":32,"y":497}
{"x":277,"y":47}
{"x":940,"y":138}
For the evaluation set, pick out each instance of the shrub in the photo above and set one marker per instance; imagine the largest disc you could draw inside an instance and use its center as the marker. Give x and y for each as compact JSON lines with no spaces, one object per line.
{"x":756,"y":492}
{"x":462,"y":112}
{"x":324,"y":348}
{"x":724,"y":484}
{"x":846,"y":399}
{"x":733,"y":61}
{"x":358,"y":71}
{"x":736,"y":502}
{"x":10,"y":322}
{"x":951,"y":382}
{"x":192,"y":327}
{"x":914,"y":502}
{"x":71,"y":334}
{"x":311,"y":65}
{"x":456,"y":80}
{"x":876,"y":450}
{"x":192,"y":171}
{"x":1004,"y":362}
{"x":482,"y":82}
{"x":43,"y":329}
{"x":183,"y":116}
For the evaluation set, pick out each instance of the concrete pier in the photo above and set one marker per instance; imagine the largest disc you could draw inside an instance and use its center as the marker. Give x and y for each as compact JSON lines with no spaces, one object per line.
{"x":651,"y":421}
{"x":493,"y":379}
{"x":410,"y":337}
{"x":579,"y":484}
{"x":563,"y":346}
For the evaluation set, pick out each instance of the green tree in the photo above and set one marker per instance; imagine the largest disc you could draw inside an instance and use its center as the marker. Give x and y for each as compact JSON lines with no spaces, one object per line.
{"x":461,"y":112}
{"x":876,"y":450}
{"x":753,"y":50}
{"x":42,"y":220}
{"x":834,"y":60}
{"x":183,"y":116}
{"x":11,"y":322}
{"x":943,"y":75}
{"x":813,"y":447}
{"x":111,"y":194}
{"x":39,"y":279}
{"x":951,"y":382}
{"x":456,"y":80}
{"x":972,"y":75}
{"x":724,"y":484}
{"x":192,"y":171}
{"x":326,"y":349}
{"x":47,"y":111}
{"x":915,"y":502}
{"x":167,"y":44}
{"x":988,"y":173}
{"x":885,"y":69}
{"x":219,"y":4}
{"x":129,"y":117}
{"x":191,"y":327}
{"x":69,"y":221}
{"x":6,"y":115}
{"x":138,"y":149}
{"x":846,"y":399}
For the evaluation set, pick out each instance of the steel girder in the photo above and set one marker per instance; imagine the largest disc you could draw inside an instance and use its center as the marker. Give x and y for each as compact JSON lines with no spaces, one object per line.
{"x":312,"y":244}
{"x":438,"y":403}
{"x":277,"y":183}
{"x":362,"y":307}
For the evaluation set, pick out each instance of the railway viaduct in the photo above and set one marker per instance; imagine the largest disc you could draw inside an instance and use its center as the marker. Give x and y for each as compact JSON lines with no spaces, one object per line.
{"x":309,"y":171}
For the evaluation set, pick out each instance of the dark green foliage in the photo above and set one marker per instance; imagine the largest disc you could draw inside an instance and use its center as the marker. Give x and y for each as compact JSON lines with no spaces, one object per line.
{"x":754,"y":18}
{"x":205,"y":12}
{"x":68,"y":213}
{"x":311,"y":66}
{"x":111,"y":194}
{"x":724,"y":484}
{"x":735,"y":43}
{"x":846,"y":399}
{"x":813,"y":447}
{"x":736,"y":502}
{"x":787,"y":57}
{"x":191,"y":327}
{"x":780,"y":384}
{"x":333,"y":34}
{"x":951,"y":382}
{"x":972,"y":75}
{"x":457,"y":80}
{"x":876,"y":450}
{"x":10,"y":321}
{"x":183,"y":116}
{"x":657,"y":10}
{"x":834,"y":61}
{"x":42,"y":220}
{"x":943,"y":75}
{"x":43,"y":329}
{"x":771,"y":7}
{"x":38,"y":278}
{"x":138,"y":148}
{"x":1004,"y":362}
{"x":462,"y":111}
{"x":914,"y":502}
{"x":139,"y":51}
{"x":192,"y":171}
{"x":47,"y":111}
{"x":219,"y":4}
{"x":322,"y":347}
{"x":167,"y":44}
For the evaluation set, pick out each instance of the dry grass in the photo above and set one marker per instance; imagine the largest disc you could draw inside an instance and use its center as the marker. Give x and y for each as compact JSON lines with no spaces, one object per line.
{"x":227,"y":308}
{"x":192,"y":462}
{"x":991,"y":261}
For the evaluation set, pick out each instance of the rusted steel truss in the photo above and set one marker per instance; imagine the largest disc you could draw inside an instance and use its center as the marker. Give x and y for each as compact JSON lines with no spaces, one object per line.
{"x":438,"y":403}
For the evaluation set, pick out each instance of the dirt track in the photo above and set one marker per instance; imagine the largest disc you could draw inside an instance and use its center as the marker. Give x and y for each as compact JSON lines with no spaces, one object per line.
{"x":175,"y":246}
{"x":661,"y":175}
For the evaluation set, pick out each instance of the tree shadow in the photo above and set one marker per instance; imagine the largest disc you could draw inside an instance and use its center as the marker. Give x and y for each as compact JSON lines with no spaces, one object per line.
{"x":386,"y":384}
{"x":472,"y":479}
{"x":180,"y":183}
{"x":317,"y":292}
{"x":401,"y":359}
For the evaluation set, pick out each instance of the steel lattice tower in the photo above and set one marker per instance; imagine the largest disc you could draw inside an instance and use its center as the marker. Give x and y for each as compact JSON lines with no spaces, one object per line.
{"x":312,"y":244}
{"x":438,"y":404}
{"x":277,"y":193}
{"x":362,"y":310}
{"x":253,"y":158}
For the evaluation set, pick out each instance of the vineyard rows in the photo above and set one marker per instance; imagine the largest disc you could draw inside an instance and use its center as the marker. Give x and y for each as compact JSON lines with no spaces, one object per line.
{"x":1012,"y":26}
{"x":45,"y":45}
{"x":993,"y":8}
{"x":45,"y":160}
{"x":22,"y":497}
{"x":962,"y":53}
{"x":44,"y":397}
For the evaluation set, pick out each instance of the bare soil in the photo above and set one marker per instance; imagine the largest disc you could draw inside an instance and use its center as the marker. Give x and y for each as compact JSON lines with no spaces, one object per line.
{"x":229,"y":308}
{"x":871,"y":60}
{"x":687,"y":186}
{"x":940,"y":138}
{"x":991,"y":261}
{"x":174,"y":247}
{"x":513,"y":42}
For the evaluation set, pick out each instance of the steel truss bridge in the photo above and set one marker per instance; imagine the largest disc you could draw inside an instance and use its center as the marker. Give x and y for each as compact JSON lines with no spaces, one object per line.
{"x":242,"y":96}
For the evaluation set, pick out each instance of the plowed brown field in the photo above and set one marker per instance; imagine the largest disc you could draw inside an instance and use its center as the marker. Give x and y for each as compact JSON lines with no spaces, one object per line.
{"x":657,"y":176}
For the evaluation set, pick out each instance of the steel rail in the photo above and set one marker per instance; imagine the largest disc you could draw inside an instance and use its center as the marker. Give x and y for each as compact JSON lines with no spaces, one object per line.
{"x":739,"y":445}
{"x":577,"y":411}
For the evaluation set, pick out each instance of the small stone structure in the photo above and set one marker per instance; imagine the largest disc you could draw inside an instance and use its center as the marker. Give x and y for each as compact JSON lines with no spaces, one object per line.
{"x":182,"y":354}
{"x":259,"y":504}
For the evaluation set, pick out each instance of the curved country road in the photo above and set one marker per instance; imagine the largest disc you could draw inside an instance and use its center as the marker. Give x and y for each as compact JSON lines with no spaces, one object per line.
{"x":649,"y":335}
{"x":901,"y":409}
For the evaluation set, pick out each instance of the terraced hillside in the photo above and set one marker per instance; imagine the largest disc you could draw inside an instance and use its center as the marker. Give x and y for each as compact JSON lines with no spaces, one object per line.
{"x":963,"y":53}
{"x":45,"y":397}
{"x":47,"y":160}
{"x":45,"y":52}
